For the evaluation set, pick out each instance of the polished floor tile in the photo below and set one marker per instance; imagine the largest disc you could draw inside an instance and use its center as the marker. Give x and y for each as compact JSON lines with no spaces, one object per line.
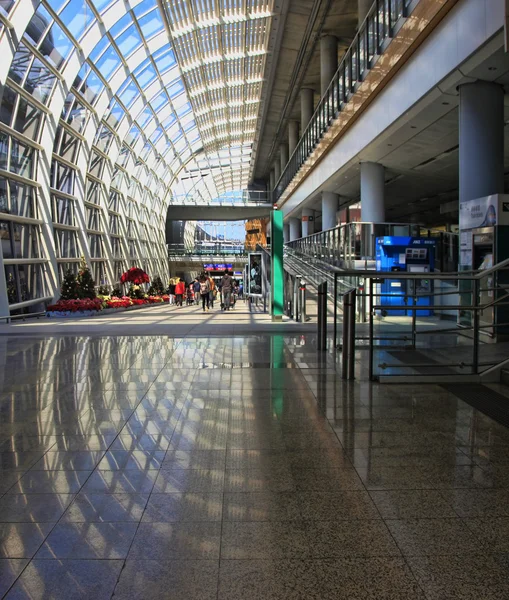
{"x":73,"y":579}
{"x":269,"y":579}
{"x":412,"y":504}
{"x":206,"y":467}
{"x":465,"y":577}
{"x":89,"y":507}
{"x":168,"y":580}
{"x":10,"y":570}
{"x":88,"y":541}
{"x":178,"y":507}
{"x":177,"y":541}
{"x":33,"y":508}
{"x":416,"y":537}
{"x":22,"y":540}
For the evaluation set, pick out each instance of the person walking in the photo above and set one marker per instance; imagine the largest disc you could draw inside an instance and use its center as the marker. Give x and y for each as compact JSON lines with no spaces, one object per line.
{"x":180,"y":290}
{"x":226,"y":290}
{"x":212,"y":292}
{"x":196,"y":289}
{"x":171,"y":293}
{"x":205,"y":291}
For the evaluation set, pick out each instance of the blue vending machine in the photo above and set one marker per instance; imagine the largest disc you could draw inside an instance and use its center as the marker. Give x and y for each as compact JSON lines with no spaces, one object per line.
{"x":408,"y":255}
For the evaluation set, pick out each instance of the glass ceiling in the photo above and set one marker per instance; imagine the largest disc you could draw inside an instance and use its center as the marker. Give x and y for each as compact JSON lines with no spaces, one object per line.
{"x":186,"y":107}
{"x":221,"y":48}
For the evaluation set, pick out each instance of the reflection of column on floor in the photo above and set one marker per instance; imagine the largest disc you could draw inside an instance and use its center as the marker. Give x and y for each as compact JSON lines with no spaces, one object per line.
{"x":277,"y":373}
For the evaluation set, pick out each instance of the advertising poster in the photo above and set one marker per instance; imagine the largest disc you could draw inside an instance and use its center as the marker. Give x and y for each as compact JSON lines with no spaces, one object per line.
{"x":481,"y":212}
{"x":255,"y":274}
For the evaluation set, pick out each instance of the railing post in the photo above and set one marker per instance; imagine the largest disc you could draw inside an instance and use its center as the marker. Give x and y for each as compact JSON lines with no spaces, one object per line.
{"x":351,"y":336}
{"x":346,"y":336}
{"x":322,"y":316}
{"x":414,"y":314}
{"x":302,"y":301}
{"x":371,"y":349}
{"x":475,"y":349}
{"x":335,"y":310}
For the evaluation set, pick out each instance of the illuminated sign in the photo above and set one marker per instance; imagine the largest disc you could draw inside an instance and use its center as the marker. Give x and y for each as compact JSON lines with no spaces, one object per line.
{"x":218,"y":267}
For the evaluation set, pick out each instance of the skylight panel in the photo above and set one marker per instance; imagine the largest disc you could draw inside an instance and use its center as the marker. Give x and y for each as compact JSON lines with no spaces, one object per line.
{"x":151,"y":24}
{"x":108,"y":63}
{"x":129,"y":41}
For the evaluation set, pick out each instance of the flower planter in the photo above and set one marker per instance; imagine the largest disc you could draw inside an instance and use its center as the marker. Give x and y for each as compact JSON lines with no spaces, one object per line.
{"x":68,"y":314}
{"x":56,"y":314}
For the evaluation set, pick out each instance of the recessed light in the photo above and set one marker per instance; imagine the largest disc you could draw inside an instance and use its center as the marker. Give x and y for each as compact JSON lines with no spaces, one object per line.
{"x":413,"y":127}
{"x":389,"y":145}
{"x":492,"y":68}
{"x":445,"y":103}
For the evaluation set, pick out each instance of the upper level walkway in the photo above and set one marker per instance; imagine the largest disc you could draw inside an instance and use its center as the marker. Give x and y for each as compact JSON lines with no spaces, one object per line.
{"x":399,"y":77}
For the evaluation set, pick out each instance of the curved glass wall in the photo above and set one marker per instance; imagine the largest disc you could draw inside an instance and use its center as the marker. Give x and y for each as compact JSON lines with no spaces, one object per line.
{"x":110,"y":112}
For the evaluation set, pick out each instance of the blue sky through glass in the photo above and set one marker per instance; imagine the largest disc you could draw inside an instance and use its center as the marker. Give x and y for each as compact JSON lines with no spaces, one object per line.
{"x":231,"y":230}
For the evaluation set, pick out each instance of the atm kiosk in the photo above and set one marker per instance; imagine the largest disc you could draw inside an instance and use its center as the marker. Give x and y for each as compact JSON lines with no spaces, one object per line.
{"x":484,"y":242}
{"x":409,"y":255}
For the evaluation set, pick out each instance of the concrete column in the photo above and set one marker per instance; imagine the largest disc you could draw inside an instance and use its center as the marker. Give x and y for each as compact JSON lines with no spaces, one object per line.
{"x":372,"y":192}
{"x":293,"y":136}
{"x":307,"y":106}
{"x":283,"y":155}
{"x":328,"y":60}
{"x":330,"y":206}
{"x":272,"y":180}
{"x":481,"y":140}
{"x":277,"y":171}
{"x":363,"y":7}
{"x":308,"y":222}
{"x":294,"y":228}
{"x":286,"y":233}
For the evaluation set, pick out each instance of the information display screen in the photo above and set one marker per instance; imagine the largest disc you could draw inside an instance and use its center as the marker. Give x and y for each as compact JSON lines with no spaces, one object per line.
{"x":255,"y":266}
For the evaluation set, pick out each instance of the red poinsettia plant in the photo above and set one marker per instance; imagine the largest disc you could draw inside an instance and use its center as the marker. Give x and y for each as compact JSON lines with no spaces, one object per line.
{"x":124,"y":302}
{"x":76,"y":305}
{"x":135,"y":275}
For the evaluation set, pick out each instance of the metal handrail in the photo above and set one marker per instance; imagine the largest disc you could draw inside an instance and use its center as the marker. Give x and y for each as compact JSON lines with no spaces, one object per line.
{"x":369,"y":278}
{"x":456,"y":275}
{"x":374,"y":32}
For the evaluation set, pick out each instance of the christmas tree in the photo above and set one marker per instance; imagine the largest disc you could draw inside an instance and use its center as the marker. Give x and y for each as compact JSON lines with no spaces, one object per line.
{"x":69,"y":289}
{"x":85,"y":281}
{"x":157,"y":287}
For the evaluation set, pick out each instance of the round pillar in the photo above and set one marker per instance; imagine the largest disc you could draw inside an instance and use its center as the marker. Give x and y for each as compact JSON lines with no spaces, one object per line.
{"x":328,"y":60}
{"x":286,"y":233}
{"x":272,"y":180}
{"x":307,"y":101}
{"x":283,"y":155}
{"x":294,"y":228}
{"x":363,"y":7}
{"x":372,"y":192}
{"x":481,"y":140}
{"x":308,"y":222}
{"x":293,"y":136}
{"x":277,"y":171}
{"x":330,"y":206}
